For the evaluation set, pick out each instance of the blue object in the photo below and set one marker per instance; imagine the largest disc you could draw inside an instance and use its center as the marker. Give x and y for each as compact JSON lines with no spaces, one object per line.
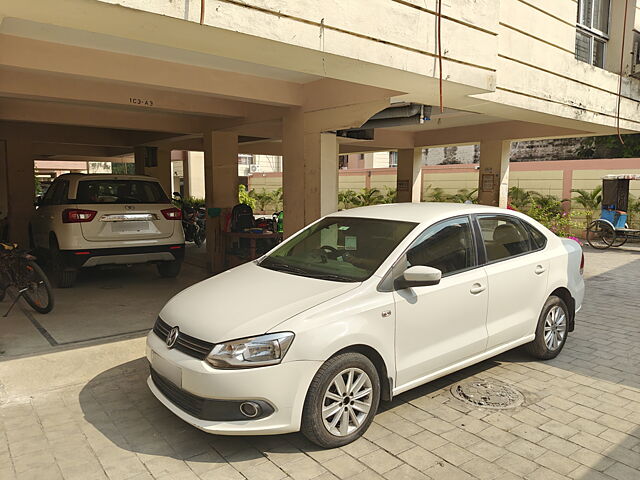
{"x":616,"y":217}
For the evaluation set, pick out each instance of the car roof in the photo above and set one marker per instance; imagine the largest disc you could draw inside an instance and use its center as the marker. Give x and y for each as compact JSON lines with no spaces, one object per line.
{"x":424,"y":212}
{"x":106,"y":176}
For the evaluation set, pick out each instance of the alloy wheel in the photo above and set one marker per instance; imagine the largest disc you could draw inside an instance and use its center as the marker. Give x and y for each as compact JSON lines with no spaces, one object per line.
{"x":347,"y":402}
{"x":555,"y":328}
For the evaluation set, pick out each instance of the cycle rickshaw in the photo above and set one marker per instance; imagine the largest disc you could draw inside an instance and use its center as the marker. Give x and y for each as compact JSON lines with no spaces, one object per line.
{"x":612,"y":229}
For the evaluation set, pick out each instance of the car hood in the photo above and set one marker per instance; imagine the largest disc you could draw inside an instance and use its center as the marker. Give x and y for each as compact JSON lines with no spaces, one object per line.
{"x":245,"y":301}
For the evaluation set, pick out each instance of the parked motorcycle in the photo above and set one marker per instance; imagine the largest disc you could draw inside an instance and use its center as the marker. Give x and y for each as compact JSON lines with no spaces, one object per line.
{"x":193,"y":221}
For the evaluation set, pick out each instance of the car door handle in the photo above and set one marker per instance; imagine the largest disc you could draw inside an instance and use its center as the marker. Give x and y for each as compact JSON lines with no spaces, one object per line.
{"x":477,"y":288}
{"x":540,"y":270}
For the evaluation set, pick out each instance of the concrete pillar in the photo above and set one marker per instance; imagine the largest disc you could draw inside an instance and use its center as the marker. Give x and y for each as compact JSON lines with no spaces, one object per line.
{"x":409,"y":179}
{"x":20,"y":189}
{"x":139,"y":156}
{"x":196,"y":174}
{"x":186,"y":177}
{"x":493,"y":181}
{"x":221,"y":190}
{"x":310,"y":173}
{"x":162,"y":171}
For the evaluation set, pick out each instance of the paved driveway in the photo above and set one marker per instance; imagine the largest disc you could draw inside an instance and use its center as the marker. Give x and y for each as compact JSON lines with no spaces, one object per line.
{"x":87,"y":414}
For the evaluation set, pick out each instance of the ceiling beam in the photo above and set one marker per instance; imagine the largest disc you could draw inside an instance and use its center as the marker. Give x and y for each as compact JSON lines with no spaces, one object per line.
{"x":27,"y":53}
{"x":509,"y":130}
{"x":56,"y":87}
{"x":75,"y":135}
{"x":47,"y":149}
{"x":13,"y":109}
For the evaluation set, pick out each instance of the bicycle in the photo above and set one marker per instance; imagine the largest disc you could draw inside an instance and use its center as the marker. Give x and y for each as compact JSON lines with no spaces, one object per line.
{"x":18,"y":269}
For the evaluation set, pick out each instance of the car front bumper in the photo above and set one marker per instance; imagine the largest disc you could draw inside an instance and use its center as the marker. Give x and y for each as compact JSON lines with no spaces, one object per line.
{"x":283,"y":387}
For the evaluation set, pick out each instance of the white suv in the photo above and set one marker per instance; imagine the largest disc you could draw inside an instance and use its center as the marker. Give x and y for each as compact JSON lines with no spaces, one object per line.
{"x":90,"y":220}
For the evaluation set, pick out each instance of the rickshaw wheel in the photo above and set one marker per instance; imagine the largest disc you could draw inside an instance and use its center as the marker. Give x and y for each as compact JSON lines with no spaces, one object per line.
{"x":601,"y":235}
{"x":621,"y":239}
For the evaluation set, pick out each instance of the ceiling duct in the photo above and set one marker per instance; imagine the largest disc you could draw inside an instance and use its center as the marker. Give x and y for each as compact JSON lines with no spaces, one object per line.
{"x":394,"y":116}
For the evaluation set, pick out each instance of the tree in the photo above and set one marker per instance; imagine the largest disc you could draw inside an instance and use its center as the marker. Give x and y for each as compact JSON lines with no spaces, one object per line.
{"x":263,"y":199}
{"x":464,"y":196}
{"x":589,"y":201}
{"x":438,"y":195}
{"x":277,"y":196}
{"x":519,"y":198}
{"x":244,"y":197}
{"x":347,"y":198}
{"x":609,"y":146}
{"x":633,"y":209}
{"x":390,"y":195}
{"x":368,"y":196}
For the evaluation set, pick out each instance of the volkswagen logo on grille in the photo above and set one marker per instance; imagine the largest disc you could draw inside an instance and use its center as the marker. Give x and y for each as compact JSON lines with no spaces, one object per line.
{"x":172,"y":337}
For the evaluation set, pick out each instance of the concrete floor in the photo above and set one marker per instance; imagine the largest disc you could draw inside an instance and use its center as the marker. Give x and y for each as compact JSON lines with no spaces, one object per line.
{"x":105,"y":305}
{"x":84,"y":411}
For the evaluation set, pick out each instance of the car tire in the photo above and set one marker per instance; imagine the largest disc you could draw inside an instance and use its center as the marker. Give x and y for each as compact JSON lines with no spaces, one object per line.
{"x":348,"y":420}
{"x":169,"y":269}
{"x":552,"y":330}
{"x":63,"y":276}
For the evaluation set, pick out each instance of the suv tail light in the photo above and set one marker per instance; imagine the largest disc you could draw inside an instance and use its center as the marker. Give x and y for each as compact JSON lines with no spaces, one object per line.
{"x":74,"y":215}
{"x":582,"y":264}
{"x":172,"y":213}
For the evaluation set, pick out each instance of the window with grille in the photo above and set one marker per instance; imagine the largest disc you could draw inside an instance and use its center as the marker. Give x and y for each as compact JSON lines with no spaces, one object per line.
{"x":393,"y":159}
{"x":592,"y":32}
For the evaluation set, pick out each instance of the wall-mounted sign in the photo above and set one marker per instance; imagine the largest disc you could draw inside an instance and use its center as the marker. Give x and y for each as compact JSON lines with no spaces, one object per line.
{"x":145,"y":102}
{"x":487,"y":182}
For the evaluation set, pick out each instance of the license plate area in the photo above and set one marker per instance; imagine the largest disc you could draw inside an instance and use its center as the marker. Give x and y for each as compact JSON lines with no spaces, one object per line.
{"x":168,"y":370}
{"x":131,"y":227}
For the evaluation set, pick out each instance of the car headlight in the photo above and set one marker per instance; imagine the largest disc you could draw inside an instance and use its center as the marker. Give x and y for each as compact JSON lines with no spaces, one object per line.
{"x":251,"y":352}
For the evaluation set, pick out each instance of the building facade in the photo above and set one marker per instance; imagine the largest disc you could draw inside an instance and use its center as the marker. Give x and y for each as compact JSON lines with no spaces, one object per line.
{"x":305,"y":80}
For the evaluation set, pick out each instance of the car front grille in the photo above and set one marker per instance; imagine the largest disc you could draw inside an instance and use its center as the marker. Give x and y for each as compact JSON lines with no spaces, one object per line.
{"x":187,"y":344}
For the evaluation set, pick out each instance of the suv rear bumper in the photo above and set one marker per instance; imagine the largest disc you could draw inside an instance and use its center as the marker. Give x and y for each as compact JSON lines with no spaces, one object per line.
{"x":92,"y":257}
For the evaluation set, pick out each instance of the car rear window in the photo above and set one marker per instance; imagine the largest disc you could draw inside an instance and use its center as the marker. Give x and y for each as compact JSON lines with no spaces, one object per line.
{"x":120,"y":191}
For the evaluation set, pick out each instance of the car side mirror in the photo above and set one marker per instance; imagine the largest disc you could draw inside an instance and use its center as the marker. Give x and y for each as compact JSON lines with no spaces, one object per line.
{"x":418,"y":276}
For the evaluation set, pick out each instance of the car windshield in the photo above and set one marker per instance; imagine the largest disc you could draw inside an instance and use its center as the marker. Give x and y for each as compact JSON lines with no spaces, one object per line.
{"x":120,"y":191}
{"x":343,"y":249}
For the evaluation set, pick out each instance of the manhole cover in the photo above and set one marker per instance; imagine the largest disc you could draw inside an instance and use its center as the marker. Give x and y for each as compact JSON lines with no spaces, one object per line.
{"x":487,"y":394}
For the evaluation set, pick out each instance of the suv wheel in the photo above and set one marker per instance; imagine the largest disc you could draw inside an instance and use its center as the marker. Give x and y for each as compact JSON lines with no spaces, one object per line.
{"x":551,"y":333}
{"x":169,"y":269}
{"x":63,"y":276}
{"x":342,"y":400}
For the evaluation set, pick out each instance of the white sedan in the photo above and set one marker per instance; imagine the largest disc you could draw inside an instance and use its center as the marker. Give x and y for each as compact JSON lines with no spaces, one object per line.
{"x":358,"y":307}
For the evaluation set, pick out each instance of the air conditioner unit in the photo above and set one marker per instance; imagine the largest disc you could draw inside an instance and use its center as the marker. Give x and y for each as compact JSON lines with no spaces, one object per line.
{"x":254,"y":168}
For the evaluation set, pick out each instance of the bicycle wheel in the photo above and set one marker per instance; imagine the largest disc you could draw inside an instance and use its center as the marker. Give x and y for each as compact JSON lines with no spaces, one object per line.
{"x":39,"y":294}
{"x":600,"y":235}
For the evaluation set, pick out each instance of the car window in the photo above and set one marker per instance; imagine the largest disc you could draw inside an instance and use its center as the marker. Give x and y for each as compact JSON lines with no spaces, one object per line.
{"x":120,"y":191}
{"x":48,"y":196}
{"x":447,"y":246}
{"x":503,"y":237}
{"x":538,"y":240}
{"x":339,"y":248}
{"x":60,"y":194}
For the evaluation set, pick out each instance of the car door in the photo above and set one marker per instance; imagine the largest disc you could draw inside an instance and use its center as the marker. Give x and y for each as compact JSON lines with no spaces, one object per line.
{"x":440,"y":325}
{"x":517,"y":272}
